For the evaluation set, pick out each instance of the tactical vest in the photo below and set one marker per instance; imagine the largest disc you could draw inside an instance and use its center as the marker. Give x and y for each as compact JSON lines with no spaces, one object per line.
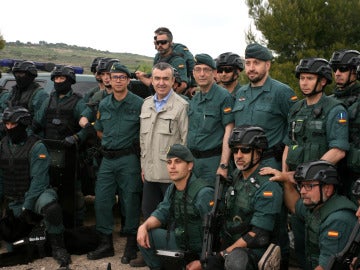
{"x":308,"y":131}
{"x":312,"y":226}
{"x":60,"y":120}
{"x":16,"y":168}
{"x":189,"y":223}
{"x":239,"y":205}
{"x":353,"y":155}
{"x":24,"y":99}
{"x":349,"y":95}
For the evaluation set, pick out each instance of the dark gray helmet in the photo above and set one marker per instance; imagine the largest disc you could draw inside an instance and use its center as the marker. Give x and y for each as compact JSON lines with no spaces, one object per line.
{"x":17,"y":114}
{"x":25,"y":66}
{"x":105,"y":64}
{"x":320,"y":170}
{"x":348,"y":58}
{"x":95,"y":63}
{"x":317,"y":66}
{"x":230,"y":59}
{"x":356,"y":189}
{"x":248,"y":135}
{"x":67,"y":71}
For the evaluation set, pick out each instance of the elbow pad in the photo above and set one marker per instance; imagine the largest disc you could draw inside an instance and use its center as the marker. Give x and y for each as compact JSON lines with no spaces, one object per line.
{"x":260,"y":240}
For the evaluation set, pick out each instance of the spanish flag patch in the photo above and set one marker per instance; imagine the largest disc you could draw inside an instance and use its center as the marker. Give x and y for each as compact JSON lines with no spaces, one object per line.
{"x":98,"y":115}
{"x":42,"y":156}
{"x":227,"y":109}
{"x":181,"y":66}
{"x":267,"y":194}
{"x":294,"y":98}
{"x":342,"y":118}
{"x":333,"y":234}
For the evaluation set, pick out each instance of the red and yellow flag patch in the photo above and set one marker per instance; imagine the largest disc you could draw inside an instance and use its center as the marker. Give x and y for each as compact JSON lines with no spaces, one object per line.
{"x":267,"y":194}
{"x":333,"y":234}
{"x":227,"y":110}
{"x":294,"y":98}
{"x":42,"y":156}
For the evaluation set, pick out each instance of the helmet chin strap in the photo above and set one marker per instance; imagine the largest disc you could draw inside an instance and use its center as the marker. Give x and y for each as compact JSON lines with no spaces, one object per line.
{"x":252,"y":164}
{"x":233,"y":79}
{"x":348,"y":82}
{"x":314,"y":92}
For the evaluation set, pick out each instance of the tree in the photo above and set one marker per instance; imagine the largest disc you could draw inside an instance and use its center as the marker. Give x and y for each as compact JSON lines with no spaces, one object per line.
{"x":295,"y":29}
{"x":2,"y":42}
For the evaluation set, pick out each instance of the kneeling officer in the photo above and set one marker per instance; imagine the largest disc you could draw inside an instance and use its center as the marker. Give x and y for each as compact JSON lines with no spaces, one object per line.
{"x":24,"y":176}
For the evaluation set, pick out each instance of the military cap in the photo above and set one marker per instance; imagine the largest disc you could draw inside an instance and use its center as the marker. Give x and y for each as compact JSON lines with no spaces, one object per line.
{"x":258,"y":51}
{"x":180,"y":151}
{"x":117,"y":67}
{"x":205,"y":59}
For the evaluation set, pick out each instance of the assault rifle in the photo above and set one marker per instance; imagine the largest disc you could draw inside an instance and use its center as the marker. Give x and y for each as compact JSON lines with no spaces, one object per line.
{"x":343,"y":259}
{"x":212,"y":222}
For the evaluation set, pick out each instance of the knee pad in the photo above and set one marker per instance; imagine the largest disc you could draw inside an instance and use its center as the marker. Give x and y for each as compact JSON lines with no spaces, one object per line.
{"x":238,"y":259}
{"x":53,"y":213}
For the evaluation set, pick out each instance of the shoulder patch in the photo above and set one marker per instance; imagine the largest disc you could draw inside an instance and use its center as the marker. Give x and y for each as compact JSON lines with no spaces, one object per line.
{"x":333,"y":234}
{"x":97,"y":115}
{"x":341,"y":118}
{"x":42,"y":156}
{"x":181,"y":66}
{"x":268,"y":194}
{"x":294,"y":98}
{"x":227,"y":110}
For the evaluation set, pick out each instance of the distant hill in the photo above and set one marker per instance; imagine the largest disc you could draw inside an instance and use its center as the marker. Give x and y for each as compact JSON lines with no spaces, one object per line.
{"x":60,"y":53}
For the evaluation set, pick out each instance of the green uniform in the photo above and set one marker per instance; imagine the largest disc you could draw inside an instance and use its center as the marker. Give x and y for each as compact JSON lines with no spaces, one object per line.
{"x":93,"y":105}
{"x":255,"y":201}
{"x":315,"y":129}
{"x":327,"y":229}
{"x":209,"y":114}
{"x":236,"y":90}
{"x":119,"y":122}
{"x":38,"y":193}
{"x":187,"y":215}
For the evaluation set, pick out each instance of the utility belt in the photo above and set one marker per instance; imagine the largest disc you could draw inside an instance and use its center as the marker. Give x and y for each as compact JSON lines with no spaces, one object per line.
{"x":276,"y":151}
{"x":207,"y":153}
{"x":116,"y":153}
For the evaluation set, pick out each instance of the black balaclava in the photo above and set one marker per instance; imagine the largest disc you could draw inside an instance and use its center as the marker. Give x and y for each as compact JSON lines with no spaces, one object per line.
{"x":63,"y":87}
{"x":17,"y":134}
{"x":23,"y":82}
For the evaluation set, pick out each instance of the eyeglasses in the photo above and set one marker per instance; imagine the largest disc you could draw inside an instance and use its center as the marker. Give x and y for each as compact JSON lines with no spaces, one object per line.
{"x":226,"y":69}
{"x":307,"y":187}
{"x":120,"y":77}
{"x":341,"y":68}
{"x":205,"y":70}
{"x":244,"y":150}
{"x":162,"y":42}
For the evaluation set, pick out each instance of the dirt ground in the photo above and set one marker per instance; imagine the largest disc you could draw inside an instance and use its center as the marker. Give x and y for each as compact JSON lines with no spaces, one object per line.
{"x":80,"y":262}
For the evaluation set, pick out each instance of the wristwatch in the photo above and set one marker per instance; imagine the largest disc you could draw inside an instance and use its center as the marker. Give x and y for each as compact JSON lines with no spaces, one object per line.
{"x":224,"y":166}
{"x":225,"y":253}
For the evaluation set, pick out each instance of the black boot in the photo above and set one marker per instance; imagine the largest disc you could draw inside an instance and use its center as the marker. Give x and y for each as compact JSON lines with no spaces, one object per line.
{"x":104,"y":249}
{"x":130,"y":249}
{"x":59,"y":251}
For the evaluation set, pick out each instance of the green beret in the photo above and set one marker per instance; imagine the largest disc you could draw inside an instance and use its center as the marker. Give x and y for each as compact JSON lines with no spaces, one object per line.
{"x":258,"y":51}
{"x":117,"y":67}
{"x":205,"y":59}
{"x":180,"y":151}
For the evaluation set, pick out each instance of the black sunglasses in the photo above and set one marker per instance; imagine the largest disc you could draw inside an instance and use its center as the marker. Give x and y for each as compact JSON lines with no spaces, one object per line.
{"x":226,"y":69}
{"x":244,"y":150}
{"x":341,"y":68}
{"x":162,"y":42}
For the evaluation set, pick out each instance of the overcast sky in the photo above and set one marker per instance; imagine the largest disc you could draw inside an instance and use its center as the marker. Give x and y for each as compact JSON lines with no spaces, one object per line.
{"x":205,"y":26}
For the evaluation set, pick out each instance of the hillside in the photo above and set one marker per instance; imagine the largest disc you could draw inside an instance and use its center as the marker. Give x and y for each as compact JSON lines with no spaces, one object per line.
{"x":61,"y":53}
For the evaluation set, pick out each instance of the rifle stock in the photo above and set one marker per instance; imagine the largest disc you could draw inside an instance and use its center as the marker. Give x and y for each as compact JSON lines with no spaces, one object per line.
{"x":211,"y":222}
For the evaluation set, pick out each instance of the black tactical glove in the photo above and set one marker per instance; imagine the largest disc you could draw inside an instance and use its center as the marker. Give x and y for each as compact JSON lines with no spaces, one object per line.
{"x":70,"y":141}
{"x":30,"y":217}
{"x":215,"y":262}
